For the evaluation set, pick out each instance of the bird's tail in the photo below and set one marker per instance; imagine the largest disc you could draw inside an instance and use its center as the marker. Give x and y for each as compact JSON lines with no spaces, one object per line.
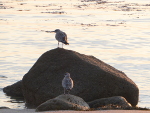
{"x":66,"y":43}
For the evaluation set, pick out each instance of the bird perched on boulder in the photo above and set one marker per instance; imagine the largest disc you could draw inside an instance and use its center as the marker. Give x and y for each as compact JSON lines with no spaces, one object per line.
{"x":61,"y":37}
{"x":67,"y":83}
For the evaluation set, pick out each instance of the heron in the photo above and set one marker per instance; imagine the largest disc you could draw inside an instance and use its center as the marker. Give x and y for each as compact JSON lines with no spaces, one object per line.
{"x":67,"y":83}
{"x":61,"y":37}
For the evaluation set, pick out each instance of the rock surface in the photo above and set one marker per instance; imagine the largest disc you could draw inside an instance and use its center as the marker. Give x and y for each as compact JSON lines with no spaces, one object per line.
{"x":4,"y":107}
{"x":116,"y":100}
{"x":14,"y":89}
{"x":93,"y":79}
{"x":64,"y":102}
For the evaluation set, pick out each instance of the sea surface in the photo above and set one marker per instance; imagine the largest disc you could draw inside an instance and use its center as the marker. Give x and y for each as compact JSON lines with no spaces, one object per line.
{"x":116,"y":32}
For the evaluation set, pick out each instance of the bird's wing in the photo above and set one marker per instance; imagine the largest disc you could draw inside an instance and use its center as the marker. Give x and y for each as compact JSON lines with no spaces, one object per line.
{"x":71,"y":83}
{"x":63,"y":37}
{"x":67,"y":83}
{"x":60,"y":36}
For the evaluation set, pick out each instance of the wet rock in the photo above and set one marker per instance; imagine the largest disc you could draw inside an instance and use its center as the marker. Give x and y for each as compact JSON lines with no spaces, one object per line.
{"x":1,"y":76}
{"x":14,"y":89}
{"x":64,"y":102}
{"x":115,"y":101}
{"x":3,"y":107}
{"x":55,"y":12}
{"x":93,"y":79}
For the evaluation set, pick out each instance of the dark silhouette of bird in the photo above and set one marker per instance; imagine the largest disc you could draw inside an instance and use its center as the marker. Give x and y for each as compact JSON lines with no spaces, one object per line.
{"x":61,"y":37}
{"x":67,"y":83}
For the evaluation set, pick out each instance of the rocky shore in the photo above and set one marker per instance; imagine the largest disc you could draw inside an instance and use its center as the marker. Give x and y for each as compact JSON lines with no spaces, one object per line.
{"x":97,"y":84}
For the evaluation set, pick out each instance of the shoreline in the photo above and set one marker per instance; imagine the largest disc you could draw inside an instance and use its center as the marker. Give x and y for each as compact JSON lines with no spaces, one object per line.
{"x":71,"y":111}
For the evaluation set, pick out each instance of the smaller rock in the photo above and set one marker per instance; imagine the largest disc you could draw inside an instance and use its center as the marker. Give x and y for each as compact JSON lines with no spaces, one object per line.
{"x":14,"y":89}
{"x":1,"y":76}
{"x":64,"y":102}
{"x":115,"y":101}
{"x":4,"y":107}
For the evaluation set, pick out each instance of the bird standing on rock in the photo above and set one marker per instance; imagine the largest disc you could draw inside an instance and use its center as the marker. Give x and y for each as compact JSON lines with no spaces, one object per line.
{"x":61,"y":37}
{"x":67,"y":83}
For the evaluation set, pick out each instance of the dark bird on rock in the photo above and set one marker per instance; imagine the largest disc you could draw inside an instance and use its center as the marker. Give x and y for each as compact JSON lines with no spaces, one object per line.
{"x":61,"y":37}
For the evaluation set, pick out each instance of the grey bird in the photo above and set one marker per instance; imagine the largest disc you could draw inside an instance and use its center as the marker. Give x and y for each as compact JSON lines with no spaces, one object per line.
{"x":61,"y":37}
{"x":67,"y":83}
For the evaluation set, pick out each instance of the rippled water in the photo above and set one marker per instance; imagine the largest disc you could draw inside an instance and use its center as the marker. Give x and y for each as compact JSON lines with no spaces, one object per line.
{"x":116,"y":32}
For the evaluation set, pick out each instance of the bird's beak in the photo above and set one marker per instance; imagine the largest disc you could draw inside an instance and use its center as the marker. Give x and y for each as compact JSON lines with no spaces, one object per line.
{"x":52,"y":31}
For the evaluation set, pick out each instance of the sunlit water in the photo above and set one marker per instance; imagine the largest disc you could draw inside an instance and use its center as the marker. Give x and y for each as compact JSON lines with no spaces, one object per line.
{"x":116,"y":32}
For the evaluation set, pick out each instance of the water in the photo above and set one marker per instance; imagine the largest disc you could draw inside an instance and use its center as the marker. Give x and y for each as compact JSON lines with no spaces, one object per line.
{"x":116,"y":32}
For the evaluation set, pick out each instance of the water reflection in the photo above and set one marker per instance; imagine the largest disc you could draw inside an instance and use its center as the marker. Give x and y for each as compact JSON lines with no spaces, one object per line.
{"x":15,"y":103}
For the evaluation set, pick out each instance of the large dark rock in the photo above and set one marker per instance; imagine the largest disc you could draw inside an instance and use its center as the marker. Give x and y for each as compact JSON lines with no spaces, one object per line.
{"x":93,"y":79}
{"x":64,"y":102}
{"x":14,"y":89}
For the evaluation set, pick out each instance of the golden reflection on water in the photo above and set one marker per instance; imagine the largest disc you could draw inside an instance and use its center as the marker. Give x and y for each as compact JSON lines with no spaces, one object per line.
{"x":115,"y":32}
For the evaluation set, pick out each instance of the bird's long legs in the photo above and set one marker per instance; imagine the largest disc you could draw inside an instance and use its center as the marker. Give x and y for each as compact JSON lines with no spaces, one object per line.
{"x":58,"y":43}
{"x":64,"y":91}
{"x":62,"y":45}
{"x":68,"y":91}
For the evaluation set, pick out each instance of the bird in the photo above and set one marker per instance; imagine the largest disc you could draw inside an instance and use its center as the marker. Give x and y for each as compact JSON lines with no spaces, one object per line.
{"x":61,"y":37}
{"x":67,"y":83}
